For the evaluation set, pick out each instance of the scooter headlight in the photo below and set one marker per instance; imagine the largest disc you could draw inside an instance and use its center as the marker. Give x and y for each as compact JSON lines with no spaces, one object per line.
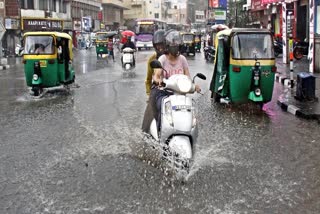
{"x":35,"y":77}
{"x":184,"y":85}
{"x":257,"y":92}
{"x":168,"y":112}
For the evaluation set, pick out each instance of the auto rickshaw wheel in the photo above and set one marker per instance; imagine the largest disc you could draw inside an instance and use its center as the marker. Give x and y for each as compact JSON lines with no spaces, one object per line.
{"x":36,"y":90}
{"x":216,"y":97}
{"x":260,"y":105}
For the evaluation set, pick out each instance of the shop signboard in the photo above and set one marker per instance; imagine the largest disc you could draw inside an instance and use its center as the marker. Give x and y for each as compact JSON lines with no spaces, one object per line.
{"x":42,"y":24}
{"x":213,"y":3}
{"x":86,"y":24}
{"x":218,"y":14}
{"x":257,"y":5}
{"x":12,"y":24}
{"x":67,"y":25}
{"x":77,"y":25}
{"x":269,"y":1}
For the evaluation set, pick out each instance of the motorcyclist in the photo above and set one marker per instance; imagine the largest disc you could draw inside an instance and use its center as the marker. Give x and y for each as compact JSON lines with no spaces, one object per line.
{"x":173,"y":63}
{"x":129,"y":44}
{"x":159,"y":46}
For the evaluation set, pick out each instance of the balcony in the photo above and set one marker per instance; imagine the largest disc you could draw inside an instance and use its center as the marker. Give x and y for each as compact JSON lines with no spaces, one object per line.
{"x":115,"y":3}
{"x":137,"y":2}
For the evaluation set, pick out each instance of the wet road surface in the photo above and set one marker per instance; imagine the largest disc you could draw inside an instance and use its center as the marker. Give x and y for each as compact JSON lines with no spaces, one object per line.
{"x":82,"y":151}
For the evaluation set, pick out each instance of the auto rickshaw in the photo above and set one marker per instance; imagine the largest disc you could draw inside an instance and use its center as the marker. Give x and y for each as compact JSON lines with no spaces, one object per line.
{"x":47,"y":60}
{"x":244,"y":66}
{"x":198,"y":42}
{"x":188,"y":45}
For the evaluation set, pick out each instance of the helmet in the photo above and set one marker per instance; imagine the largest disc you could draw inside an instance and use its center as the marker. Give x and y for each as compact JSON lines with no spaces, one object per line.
{"x":159,"y":42}
{"x":173,"y":42}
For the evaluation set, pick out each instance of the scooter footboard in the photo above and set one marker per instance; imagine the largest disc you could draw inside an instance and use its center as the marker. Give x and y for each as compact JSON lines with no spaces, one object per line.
{"x":181,"y":145}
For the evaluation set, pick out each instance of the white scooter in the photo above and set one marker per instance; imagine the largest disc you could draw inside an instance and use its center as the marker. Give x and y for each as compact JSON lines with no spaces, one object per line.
{"x":178,"y":132}
{"x":127,"y":58}
{"x":19,"y":50}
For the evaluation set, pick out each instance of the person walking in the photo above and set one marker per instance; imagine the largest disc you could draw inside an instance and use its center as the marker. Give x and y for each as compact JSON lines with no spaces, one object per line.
{"x":110,"y":47}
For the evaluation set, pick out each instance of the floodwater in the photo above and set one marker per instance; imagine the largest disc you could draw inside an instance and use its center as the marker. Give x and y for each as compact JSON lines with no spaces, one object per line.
{"x":82,"y":151}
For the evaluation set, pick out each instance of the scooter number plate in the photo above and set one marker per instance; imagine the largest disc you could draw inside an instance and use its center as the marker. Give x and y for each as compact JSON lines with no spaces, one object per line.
{"x":181,"y":107}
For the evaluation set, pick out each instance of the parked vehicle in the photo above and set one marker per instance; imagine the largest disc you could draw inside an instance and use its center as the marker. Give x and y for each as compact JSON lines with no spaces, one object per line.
{"x":244,"y":66}
{"x":301,"y":48}
{"x":278,"y":47}
{"x":47,"y":60}
{"x":209,"y":53}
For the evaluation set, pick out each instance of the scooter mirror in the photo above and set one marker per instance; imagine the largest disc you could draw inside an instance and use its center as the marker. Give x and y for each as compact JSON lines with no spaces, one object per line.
{"x":155,"y":64}
{"x":201,"y":76}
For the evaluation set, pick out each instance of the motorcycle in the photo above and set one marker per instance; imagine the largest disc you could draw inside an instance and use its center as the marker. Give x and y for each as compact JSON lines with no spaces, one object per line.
{"x":178,"y":132}
{"x":19,"y":50}
{"x":209,"y":52}
{"x":278,"y":47}
{"x":300,"y":49}
{"x":128,"y":59}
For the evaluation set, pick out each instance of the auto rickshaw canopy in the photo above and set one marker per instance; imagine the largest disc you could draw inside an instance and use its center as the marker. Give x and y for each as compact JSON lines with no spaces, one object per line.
{"x":266,"y":59}
{"x":187,"y":37}
{"x":56,"y":36}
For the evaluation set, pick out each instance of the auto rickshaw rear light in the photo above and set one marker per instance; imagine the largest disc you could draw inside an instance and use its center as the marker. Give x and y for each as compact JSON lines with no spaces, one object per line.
{"x":274,"y":69}
{"x":51,"y":61}
{"x":236,"y":69}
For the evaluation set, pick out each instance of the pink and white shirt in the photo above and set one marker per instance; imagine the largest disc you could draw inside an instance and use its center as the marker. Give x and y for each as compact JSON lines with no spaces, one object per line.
{"x":173,"y":68}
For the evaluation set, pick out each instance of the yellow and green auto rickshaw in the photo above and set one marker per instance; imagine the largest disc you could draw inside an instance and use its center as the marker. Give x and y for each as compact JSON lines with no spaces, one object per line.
{"x":198,"y":42}
{"x":244,"y":66}
{"x":188,"y":45}
{"x":47,"y":60}
{"x":102,"y":39}
{"x":101,"y":43}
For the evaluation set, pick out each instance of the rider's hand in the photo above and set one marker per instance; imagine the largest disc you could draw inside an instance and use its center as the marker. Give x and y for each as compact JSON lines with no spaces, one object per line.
{"x":198,"y":89}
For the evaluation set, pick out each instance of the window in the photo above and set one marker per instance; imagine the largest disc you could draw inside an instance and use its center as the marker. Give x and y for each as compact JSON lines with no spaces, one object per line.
{"x":26,"y":4}
{"x":150,"y":12}
{"x":156,"y":15}
{"x":52,"y":5}
{"x":22,"y":6}
{"x":39,"y":45}
{"x":252,"y":46}
{"x":43,"y":5}
{"x":175,"y":7}
{"x":64,"y":7}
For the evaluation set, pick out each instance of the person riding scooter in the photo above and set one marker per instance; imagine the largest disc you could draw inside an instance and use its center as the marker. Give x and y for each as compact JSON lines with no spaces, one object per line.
{"x":129,"y":44}
{"x":159,"y":46}
{"x":173,"y":63}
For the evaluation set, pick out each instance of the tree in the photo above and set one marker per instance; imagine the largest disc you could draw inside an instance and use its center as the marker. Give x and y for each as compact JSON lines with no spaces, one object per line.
{"x":236,"y":16}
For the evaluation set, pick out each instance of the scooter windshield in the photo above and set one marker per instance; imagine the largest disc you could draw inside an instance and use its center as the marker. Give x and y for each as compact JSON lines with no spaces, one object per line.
{"x":252,"y":46}
{"x":38,"y":45}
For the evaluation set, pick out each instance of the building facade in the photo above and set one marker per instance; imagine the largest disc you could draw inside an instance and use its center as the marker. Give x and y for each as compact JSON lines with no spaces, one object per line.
{"x":113,"y":17}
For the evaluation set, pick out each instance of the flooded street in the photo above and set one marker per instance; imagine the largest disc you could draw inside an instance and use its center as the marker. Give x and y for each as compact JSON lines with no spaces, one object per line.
{"x":82,"y":151}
